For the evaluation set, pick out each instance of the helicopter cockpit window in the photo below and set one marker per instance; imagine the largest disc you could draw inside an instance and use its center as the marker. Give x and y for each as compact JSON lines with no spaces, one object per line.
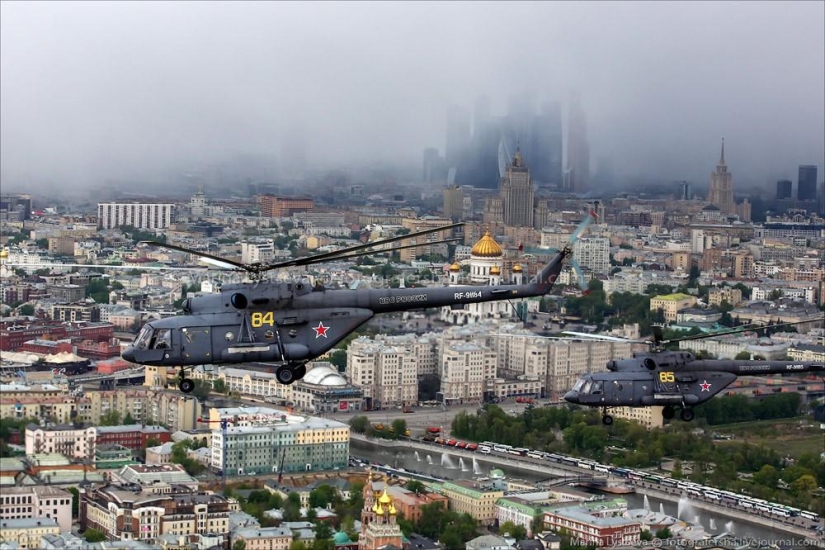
{"x":597,"y":387}
{"x":142,"y":340}
{"x":579,"y":384}
{"x":587,"y":386}
{"x":163,"y":339}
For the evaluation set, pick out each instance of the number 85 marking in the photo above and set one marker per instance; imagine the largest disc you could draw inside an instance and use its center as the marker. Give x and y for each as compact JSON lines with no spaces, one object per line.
{"x":666,"y":377}
{"x":260,"y":318}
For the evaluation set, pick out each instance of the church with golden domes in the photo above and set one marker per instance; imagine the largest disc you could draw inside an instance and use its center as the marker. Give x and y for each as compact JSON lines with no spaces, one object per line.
{"x":486,"y":259}
{"x":378,"y":521}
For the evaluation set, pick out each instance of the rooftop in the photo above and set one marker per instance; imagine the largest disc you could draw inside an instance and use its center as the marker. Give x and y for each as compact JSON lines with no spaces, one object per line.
{"x":672,"y":297}
{"x":27,"y":523}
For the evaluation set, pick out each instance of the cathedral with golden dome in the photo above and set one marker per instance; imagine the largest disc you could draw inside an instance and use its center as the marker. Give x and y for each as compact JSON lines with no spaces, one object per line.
{"x":486,"y":259}
{"x":378,"y":521}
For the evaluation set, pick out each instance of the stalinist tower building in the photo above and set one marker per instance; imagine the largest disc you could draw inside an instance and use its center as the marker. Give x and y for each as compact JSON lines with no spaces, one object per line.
{"x":517,"y":193}
{"x":721,"y":187}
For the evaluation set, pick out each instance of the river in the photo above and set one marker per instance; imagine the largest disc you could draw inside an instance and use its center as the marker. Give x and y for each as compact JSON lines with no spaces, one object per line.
{"x":443,"y":465}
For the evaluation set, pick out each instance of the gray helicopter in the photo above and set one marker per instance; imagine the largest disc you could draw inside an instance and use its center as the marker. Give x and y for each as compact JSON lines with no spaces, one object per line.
{"x":291,"y":323}
{"x":671,"y":379}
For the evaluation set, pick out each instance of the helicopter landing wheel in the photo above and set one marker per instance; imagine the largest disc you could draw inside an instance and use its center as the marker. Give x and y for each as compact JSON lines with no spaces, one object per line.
{"x":607,"y":420}
{"x":299,"y":372}
{"x":285,"y":375}
{"x":668,"y":412}
{"x":687,"y":415}
{"x":186,"y":385}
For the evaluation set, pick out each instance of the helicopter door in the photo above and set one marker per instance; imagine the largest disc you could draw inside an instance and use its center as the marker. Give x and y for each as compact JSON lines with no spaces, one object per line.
{"x":195,"y":345}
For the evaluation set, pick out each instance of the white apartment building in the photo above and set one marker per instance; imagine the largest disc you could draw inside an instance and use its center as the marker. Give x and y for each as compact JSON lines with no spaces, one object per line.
{"x":37,"y":501}
{"x":257,"y":252}
{"x":388,"y":375}
{"x":139,"y":215}
{"x":296,"y":444}
{"x":78,"y":443}
{"x":593,"y":253}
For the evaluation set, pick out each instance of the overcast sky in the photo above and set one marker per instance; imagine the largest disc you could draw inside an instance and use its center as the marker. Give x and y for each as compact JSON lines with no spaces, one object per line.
{"x":98,"y":90}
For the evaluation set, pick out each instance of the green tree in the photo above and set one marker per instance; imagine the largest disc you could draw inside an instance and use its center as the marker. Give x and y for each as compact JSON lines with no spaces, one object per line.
{"x":518,"y":532}
{"x":323,"y":531}
{"x":27,"y":310}
{"x":677,"y":470}
{"x":338,"y":358}
{"x":321,"y":496}
{"x":743,"y":355}
{"x":399,"y":426}
{"x":75,"y":500}
{"x":219,"y":385}
{"x":804,"y":485}
{"x":663,"y":534}
{"x":415,"y":486}
{"x":128,"y":420}
{"x":239,"y":545}
{"x":767,"y":476}
{"x":110,"y":418}
{"x":94,"y":535}
{"x":646,"y":535}
{"x":202,"y":390}
{"x":359,"y":424}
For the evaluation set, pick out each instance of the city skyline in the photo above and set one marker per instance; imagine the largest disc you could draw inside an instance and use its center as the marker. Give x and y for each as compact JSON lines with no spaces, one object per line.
{"x":295,"y":87}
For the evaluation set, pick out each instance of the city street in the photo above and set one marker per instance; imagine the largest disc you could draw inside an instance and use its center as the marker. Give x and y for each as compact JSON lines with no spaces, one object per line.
{"x":423,"y":417}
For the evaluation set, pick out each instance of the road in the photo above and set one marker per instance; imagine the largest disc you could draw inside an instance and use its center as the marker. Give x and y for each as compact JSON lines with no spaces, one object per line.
{"x":423,"y":417}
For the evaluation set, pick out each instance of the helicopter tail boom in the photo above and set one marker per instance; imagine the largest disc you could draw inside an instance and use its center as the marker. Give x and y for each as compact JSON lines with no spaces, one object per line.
{"x":754,"y":367}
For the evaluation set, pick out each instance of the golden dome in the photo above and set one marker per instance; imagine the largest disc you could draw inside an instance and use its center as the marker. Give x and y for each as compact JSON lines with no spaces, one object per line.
{"x":377,"y":509}
{"x":392,"y":510}
{"x":495,"y":270}
{"x":517,"y":268}
{"x":385,"y":498}
{"x":486,"y":247}
{"x":4,"y":253}
{"x":455,"y":267}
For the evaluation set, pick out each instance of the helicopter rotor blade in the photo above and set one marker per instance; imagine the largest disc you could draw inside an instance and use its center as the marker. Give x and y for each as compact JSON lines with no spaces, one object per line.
{"x":603,"y":337}
{"x":236,"y":265}
{"x":107,"y":266}
{"x":737,"y":330}
{"x":585,"y":223}
{"x":579,"y":275}
{"x":327,"y":255}
{"x":368,"y":252}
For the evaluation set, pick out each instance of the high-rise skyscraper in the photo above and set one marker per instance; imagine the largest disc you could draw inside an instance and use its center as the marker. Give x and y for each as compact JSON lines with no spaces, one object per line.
{"x":784,"y":190}
{"x":517,"y":193}
{"x":577,"y":173}
{"x":458,"y":135}
{"x":545,"y":146}
{"x":433,"y":169}
{"x":806,"y":184}
{"x":453,"y":203}
{"x":721,"y":186}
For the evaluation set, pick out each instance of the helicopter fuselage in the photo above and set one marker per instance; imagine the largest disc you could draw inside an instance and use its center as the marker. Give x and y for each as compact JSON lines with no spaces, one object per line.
{"x":668,"y":379}
{"x":293,"y":322}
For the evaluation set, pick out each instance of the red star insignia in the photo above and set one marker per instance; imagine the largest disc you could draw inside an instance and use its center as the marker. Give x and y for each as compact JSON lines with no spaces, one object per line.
{"x":705,"y":386}
{"x":320,"y":330}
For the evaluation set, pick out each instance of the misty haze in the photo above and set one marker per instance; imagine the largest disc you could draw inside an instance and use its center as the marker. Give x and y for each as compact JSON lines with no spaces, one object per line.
{"x":95,"y":93}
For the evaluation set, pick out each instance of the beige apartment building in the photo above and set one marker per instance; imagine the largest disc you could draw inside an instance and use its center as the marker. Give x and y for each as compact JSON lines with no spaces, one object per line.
{"x":466,"y":367}
{"x":264,"y":538}
{"x":470,"y":497}
{"x":27,"y":533}
{"x":126,"y":515}
{"x":388,"y":375}
{"x":670,"y":304}
{"x":37,"y":501}
{"x":728,"y":294}
{"x":77,"y":443}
